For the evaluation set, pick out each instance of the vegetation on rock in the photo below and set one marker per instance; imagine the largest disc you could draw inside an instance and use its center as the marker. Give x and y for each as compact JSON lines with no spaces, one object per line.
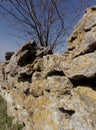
{"x":5,"y":120}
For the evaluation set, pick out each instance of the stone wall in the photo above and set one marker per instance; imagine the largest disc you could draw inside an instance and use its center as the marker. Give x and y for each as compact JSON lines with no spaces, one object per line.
{"x":46,"y":91}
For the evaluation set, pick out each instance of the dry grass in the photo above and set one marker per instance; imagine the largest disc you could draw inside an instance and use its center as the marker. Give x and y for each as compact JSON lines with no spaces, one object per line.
{"x":5,"y":121}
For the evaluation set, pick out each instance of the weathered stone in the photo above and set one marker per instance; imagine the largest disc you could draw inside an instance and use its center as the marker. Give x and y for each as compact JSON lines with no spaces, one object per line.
{"x":44,"y":51}
{"x":24,"y":59}
{"x":81,"y":67}
{"x":29,"y":104}
{"x":8,"y":55}
{"x":2,"y":73}
{"x":18,"y":97}
{"x":80,"y":61}
{"x":54,"y":85}
{"x":46,"y":91}
{"x":83,"y":104}
{"x":83,"y":38}
{"x":51,"y":65}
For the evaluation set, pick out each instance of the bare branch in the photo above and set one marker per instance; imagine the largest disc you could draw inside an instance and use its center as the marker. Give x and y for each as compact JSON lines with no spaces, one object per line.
{"x":46,"y":21}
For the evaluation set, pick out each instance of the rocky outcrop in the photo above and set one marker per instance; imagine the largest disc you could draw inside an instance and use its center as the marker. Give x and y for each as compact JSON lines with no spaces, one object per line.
{"x":46,"y":91}
{"x":82,"y":48}
{"x":83,"y":38}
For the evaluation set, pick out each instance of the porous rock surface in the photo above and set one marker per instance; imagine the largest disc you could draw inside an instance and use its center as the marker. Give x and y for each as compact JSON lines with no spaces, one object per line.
{"x":46,"y":91}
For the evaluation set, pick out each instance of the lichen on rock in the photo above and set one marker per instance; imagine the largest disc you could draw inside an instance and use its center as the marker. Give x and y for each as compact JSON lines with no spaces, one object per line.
{"x":46,"y":91}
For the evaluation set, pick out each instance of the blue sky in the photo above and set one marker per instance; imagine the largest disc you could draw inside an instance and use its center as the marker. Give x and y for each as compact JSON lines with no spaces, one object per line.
{"x":9,"y":42}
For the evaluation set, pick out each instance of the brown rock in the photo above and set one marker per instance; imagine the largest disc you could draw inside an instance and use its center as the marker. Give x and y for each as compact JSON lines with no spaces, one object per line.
{"x":83,"y":38}
{"x":82,"y":66}
{"x":30,"y":104}
{"x":53,"y":85}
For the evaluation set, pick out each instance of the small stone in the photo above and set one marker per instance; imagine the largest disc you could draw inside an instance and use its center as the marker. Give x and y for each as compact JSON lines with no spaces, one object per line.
{"x":8,"y":55}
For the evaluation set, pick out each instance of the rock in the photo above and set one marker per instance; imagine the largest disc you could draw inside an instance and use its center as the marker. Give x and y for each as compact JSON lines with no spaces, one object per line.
{"x":8,"y":55}
{"x":81,"y":67}
{"x":83,"y":38}
{"x":44,"y":51}
{"x":38,"y":87}
{"x":18,"y":97}
{"x":27,"y":54}
{"x":46,"y":91}
{"x":2,"y":73}
{"x":80,"y":61}
{"x":81,"y":109}
{"x":29,"y":104}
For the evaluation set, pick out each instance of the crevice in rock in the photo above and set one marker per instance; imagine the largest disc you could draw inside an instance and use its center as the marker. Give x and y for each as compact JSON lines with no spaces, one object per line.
{"x":93,"y":8}
{"x":26,"y":92}
{"x":36,"y":94}
{"x":23,"y":124}
{"x":72,"y":39}
{"x":48,"y":90}
{"x":55,"y":73}
{"x":71,"y":48}
{"x":91,"y":49}
{"x":24,"y":77}
{"x":69,"y":112}
{"x":26,"y":59}
{"x":16,"y":108}
{"x":27,"y":53}
{"x":89,"y":29}
{"x":87,"y":82}
{"x":3,"y":87}
{"x":68,"y":92}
